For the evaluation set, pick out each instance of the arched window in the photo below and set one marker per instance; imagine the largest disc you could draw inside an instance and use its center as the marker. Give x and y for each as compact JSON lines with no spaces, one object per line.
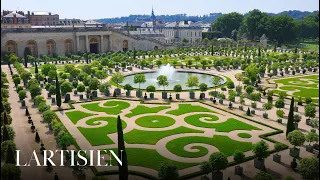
{"x":51,"y":47}
{"x":11,"y":46}
{"x":33,"y":48}
{"x":68,"y":46}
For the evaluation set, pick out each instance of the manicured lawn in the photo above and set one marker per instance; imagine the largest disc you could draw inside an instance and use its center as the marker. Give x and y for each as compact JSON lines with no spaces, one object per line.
{"x":244,"y":135}
{"x":144,"y":110}
{"x":148,"y":158}
{"x":187,"y":108}
{"x":152,"y":137}
{"x":75,"y":116}
{"x":115,"y":107}
{"x":300,"y":83}
{"x":155,"y":121}
{"x":227,"y":126}
{"x":98,"y":136}
{"x":223,"y":143}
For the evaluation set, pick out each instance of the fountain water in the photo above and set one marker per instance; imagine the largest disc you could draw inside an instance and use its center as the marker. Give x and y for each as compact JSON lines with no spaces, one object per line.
{"x":166,"y":70}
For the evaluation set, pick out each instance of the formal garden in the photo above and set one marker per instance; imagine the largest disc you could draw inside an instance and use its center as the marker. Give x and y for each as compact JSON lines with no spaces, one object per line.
{"x":225,"y":111}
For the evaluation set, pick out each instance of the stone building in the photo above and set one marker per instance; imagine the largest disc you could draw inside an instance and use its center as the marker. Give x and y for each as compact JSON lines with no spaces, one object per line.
{"x":14,"y":20}
{"x":43,"y":18}
{"x":176,"y":32}
{"x":62,"y":41}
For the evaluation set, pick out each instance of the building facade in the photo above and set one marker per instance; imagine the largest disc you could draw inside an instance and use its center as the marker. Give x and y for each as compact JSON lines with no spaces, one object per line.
{"x":70,"y":41}
{"x":43,"y":18}
{"x":14,"y":20}
{"x":177,"y":32}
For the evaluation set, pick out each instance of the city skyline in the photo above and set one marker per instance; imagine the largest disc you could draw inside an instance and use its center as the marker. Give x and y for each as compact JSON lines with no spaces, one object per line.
{"x":164,"y":7}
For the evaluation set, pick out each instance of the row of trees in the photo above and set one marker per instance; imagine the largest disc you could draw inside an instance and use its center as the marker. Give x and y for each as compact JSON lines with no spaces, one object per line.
{"x":279,"y":28}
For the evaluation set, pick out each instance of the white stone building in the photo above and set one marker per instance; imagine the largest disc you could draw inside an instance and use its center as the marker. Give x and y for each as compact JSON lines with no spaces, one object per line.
{"x":176,"y":32}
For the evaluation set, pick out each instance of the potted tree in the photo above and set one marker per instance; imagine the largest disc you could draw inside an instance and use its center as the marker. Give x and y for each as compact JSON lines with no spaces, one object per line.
{"x":163,"y":81}
{"x":81,"y":88}
{"x":177,"y":88}
{"x":117,"y":78}
{"x":151,"y":89}
{"x":218,"y":162}
{"x":128,"y":87}
{"x":278,"y":147}
{"x":139,"y":79}
{"x":260,"y":150}
{"x":191,"y":82}
{"x":296,"y":120}
{"x":310,"y":138}
{"x":296,"y":138}
{"x":203,"y":88}
{"x":310,"y":112}
{"x":238,"y":157}
{"x":266,"y":106}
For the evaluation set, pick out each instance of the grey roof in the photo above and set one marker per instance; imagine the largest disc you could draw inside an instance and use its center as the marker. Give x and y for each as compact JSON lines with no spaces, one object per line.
{"x":42,"y":13}
{"x":136,"y":24}
{"x":182,"y":24}
{"x":11,"y":15}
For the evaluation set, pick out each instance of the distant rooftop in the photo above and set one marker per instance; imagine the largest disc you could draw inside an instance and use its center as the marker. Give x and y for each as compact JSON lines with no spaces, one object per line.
{"x":41,"y":13}
{"x":11,"y":15}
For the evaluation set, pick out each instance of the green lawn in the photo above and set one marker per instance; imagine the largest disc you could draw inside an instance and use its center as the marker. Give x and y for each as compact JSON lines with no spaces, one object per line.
{"x":98,"y":136}
{"x":299,"y":83}
{"x":244,"y":135}
{"x":225,"y":145}
{"x":155,"y":121}
{"x":227,"y":126}
{"x":115,"y":107}
{"x":144,"y":110}
{"x":75,"y":116}
{"x":187,"y":108}
{"x":137,"y":157}
{"x":152,"y":137}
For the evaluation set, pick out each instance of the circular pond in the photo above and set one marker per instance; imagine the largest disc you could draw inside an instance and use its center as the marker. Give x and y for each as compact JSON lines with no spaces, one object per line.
{"x":178,"y":77}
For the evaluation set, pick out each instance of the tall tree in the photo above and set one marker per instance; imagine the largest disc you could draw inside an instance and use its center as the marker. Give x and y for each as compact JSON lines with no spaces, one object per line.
{"x":227,"y":23}
{"x":58,"y":92}
{"x":5,"y":118}
{"x":36,"y":68}
{"x":123,"y":170}
{"x":26,"y":53}
{"x":5,"y":134}
{"x":253,"y":24}
{"x":10,"y":158}
{"x":290,"y":123}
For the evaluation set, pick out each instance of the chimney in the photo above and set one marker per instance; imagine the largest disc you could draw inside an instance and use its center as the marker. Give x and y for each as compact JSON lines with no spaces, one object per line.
{"x":49,"y":13}
{"x":32,"y":13}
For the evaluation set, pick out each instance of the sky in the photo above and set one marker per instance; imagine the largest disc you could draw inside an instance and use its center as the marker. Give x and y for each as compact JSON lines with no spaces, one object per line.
{"x":95,"y":9}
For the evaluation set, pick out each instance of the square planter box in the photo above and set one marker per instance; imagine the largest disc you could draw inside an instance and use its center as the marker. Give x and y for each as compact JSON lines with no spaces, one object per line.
{"x":309,"y":148}
{"x":258,"y":163}
{"x":177,"y":96}
{"x":294,"y":152}
{"x":23,"y":103}
{"x":129,"y":68}
{"x":94,"y":94}
{"x":253,"y":112}
{"x":265,"y":115}
{"x":81,"y":96}
{"x":217,"y":175}
{"x":276,"y":158}
{"x":75,"y":92}
{"x":238,"y":170}
{"x":308,"y":121}
{"x":279,"y":120}
{"x":107,"y":92}
{"x":221,"y":101}
{"x":118,"y":92}
{"x":151,"y":95}
{"x":241,"y":108}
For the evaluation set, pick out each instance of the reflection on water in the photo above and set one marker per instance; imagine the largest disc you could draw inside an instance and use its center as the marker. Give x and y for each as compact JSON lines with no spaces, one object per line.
{"x":178,"y":78}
